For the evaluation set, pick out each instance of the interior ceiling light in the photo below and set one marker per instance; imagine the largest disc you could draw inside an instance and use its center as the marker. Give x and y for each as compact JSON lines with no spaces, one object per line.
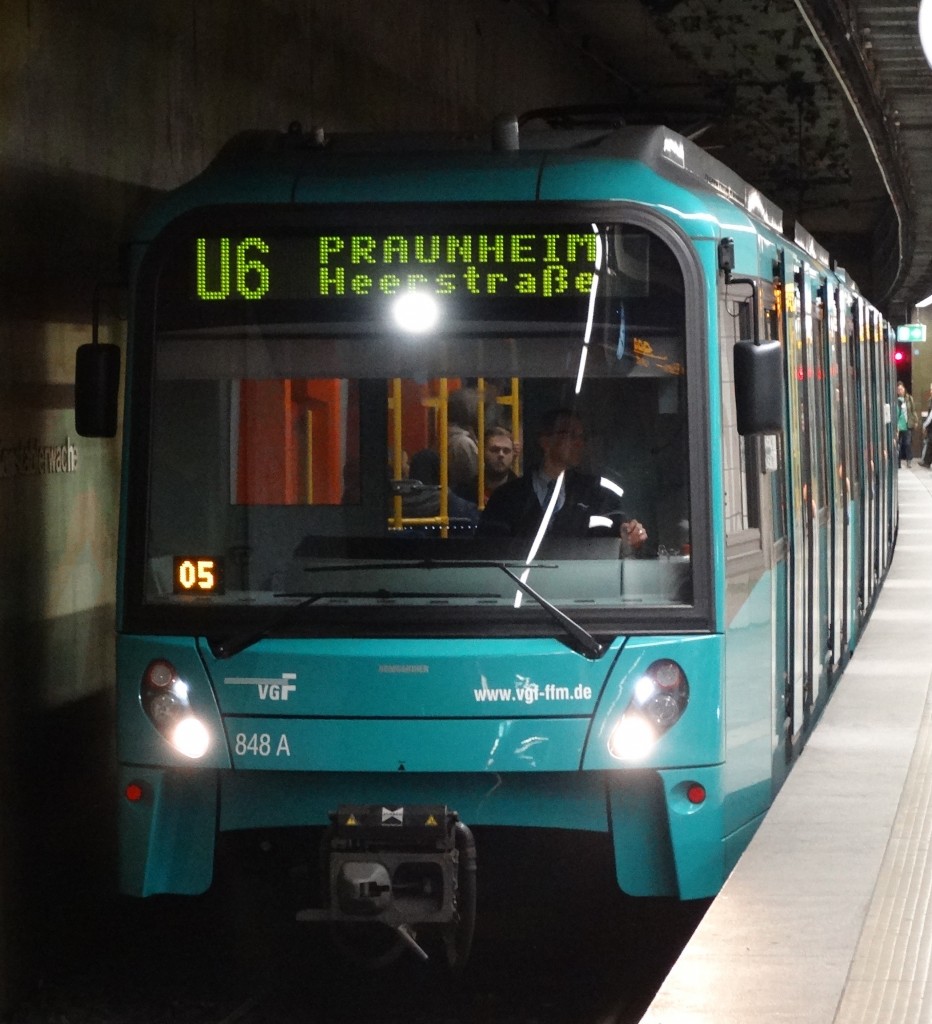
{"x":416,"y":312}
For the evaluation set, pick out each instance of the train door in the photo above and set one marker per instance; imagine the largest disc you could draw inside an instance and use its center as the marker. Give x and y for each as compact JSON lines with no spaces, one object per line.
{"x":284,"y":445}
{"x":883,"y":445}
{"x":818,"y":363}
{"x":854,"y":477}
{"x":872,"y":454}
{"x":885,"y":400}
{"x":863,"y":502}
{"x":840,"y":481}
{"x":798,"y":551}
{"x":806,"y":507}
{"x":775,"y":458}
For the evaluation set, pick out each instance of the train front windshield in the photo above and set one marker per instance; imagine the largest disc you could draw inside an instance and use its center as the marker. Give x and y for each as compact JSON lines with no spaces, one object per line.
{"x":329,"y":418}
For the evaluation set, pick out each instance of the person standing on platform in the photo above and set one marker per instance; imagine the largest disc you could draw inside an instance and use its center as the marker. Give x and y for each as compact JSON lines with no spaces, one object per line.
{"x":925,"y":459}
{"x":906,"y":422}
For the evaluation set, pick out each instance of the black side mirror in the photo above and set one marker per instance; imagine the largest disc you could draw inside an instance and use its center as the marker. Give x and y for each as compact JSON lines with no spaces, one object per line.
{"x":96,"y":389}
{"x":759,"y":387}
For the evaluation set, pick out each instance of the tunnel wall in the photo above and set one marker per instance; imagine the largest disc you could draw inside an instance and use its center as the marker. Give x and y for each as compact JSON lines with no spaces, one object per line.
{"x":104,"y":104}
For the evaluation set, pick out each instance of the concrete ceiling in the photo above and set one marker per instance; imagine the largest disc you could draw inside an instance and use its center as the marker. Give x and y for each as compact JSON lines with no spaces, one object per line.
{"x":825,"y":105}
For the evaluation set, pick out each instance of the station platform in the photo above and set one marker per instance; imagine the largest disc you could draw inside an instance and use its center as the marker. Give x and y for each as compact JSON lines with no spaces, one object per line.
{"x":826,"y":919}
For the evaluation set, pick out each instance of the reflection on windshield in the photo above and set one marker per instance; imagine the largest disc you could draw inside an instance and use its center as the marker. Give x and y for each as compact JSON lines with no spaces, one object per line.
{"x":553,"y":448}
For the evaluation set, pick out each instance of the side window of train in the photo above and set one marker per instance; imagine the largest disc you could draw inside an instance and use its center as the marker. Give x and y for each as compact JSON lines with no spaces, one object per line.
{"x":742,"y":456}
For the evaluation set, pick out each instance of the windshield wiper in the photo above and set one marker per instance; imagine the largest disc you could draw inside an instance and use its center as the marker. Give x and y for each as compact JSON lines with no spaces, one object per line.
{"x":234,"y":644}
{"x":227,"y":648}
{"x":591,"y":647}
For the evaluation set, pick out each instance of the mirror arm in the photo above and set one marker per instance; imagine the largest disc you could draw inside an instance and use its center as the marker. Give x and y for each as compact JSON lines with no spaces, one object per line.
{"x":755,"y":311}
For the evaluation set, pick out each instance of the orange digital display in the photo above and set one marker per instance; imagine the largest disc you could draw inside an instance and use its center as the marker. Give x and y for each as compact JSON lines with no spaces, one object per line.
{"x":197,"y":574}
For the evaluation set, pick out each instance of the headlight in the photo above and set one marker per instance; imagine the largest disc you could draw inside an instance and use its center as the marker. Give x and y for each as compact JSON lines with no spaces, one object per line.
{"x":165,"y":700}
{"x":190,"y":736}
{"x":659,"y":700}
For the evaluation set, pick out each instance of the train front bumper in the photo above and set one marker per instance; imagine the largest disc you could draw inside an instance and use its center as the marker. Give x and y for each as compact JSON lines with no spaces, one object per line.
{"x":664,"y":843}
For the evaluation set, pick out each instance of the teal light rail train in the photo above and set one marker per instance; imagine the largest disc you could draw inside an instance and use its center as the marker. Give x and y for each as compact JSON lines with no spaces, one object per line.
{"x":320,"y":641}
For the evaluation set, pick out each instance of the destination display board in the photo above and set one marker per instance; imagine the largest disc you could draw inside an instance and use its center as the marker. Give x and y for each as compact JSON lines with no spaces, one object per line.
{"x":354,"y":264}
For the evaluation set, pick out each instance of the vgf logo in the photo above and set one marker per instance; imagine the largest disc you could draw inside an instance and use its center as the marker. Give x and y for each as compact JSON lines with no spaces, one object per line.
{"x":277,"y":691}
{"x":268,"y":689}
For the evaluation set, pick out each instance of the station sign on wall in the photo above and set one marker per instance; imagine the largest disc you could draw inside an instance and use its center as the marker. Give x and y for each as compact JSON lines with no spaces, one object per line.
{"x":911,"y":333}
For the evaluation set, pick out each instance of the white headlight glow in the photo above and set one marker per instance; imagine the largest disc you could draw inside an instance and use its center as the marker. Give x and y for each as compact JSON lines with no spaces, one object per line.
{"x":632,"y":739}
{"x":190,"y":737}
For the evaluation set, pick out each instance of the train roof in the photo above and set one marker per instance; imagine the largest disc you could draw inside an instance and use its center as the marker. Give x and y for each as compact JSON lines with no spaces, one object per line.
{"x":267,"y":166}
{"x":668,"y":154}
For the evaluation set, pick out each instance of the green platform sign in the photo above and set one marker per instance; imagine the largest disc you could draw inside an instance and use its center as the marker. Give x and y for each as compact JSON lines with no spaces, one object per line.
{"x":911,"y":333}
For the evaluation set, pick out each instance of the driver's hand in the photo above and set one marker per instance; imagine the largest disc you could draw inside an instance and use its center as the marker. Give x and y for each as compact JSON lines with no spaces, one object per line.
{"x":633,"y":532}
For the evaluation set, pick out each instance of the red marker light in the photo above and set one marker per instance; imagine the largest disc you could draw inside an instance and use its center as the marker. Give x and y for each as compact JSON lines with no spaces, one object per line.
{"x":696,"y":793}
{"x":133,"y":792}
{"x":160,"y":674}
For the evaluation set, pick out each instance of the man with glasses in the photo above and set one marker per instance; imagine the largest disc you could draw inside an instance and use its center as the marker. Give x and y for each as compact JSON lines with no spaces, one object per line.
{"x":498,"y":457}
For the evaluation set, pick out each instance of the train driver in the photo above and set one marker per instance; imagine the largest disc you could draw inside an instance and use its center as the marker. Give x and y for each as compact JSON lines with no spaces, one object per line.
{"x":582,"y":504}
